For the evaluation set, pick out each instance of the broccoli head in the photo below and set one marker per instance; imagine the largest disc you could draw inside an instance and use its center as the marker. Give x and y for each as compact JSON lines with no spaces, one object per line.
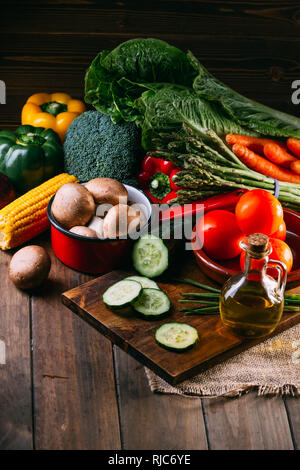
{"x":96,"y":147}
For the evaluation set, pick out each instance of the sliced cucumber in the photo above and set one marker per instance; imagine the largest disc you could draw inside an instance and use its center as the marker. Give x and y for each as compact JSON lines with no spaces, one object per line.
{"x":176,"y":336}
{"x":144,"y":281}
{"x":122,"y":294}
{"x":152,"y":304}
{"x":150,"y":256}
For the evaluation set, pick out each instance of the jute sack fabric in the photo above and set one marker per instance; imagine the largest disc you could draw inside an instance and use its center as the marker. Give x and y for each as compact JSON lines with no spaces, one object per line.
{"x":272,"y":367}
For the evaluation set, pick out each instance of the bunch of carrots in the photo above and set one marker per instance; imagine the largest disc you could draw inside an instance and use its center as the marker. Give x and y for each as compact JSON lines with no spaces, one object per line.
{"x":269,"y":157}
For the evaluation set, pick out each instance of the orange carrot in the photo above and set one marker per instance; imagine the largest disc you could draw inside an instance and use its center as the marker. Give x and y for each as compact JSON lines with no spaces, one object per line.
{"x":294,"y":146}
{"x":277,"y":154}
{"x":263,"y":166}
{"x":295,"y":167}
{"x":255,"y":143}
{"x":249,"y":141}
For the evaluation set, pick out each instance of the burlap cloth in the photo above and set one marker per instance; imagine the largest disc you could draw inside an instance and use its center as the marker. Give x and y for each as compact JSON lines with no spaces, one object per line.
{"x":272,"y":367}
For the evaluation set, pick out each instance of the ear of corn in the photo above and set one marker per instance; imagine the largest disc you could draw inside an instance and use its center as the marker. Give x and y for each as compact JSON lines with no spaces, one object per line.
{"x":26,"y":217}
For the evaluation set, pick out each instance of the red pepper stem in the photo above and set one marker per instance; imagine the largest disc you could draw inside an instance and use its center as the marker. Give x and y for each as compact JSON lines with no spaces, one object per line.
{"x":154,"y":184}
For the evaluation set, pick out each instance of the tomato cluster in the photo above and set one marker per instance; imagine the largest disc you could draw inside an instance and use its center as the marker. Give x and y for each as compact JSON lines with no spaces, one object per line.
{"x":257,"y":211}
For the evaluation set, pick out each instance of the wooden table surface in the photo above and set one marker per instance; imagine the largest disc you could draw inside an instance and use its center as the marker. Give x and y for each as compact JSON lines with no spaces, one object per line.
{"x":63,"y":385}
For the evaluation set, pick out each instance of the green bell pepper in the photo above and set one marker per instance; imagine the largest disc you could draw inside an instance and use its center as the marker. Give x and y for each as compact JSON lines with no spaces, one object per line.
{"x":29,"y":156}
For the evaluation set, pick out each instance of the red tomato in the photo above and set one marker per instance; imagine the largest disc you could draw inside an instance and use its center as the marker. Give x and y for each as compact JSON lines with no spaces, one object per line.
{"x":280,"y":252}
{"x":221,"y":234}
{"x":255,"y":264}
{"x":258,"y":211}
{"x":280,"y":234}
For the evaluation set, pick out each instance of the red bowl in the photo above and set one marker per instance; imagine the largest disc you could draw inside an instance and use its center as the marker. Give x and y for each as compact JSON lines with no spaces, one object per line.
{"x":94,"y":255}
{"x":221,"y":270}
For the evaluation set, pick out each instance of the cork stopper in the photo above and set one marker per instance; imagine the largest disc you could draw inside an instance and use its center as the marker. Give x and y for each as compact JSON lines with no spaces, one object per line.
{"x":258,"y":245}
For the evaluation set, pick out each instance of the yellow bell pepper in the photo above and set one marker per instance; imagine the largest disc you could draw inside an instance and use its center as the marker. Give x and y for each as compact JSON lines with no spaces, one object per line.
{"x":53,"y":111}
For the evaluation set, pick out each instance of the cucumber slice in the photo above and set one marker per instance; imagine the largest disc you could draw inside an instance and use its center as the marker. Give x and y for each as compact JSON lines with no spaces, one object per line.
{"x":144,"y":281}
{"x":176,"y":336}
{"x":150,"y":256}
{"x":122,"y":294}
{"x":152,"y":304}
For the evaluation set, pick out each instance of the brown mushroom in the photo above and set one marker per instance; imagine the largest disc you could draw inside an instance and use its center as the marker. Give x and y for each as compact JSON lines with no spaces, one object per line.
{"x":96,"y":224}
{"x":83,"y":231}
{"x":107,"y":191}
{"x":73,"y":205}
{"x":120,"y":220}
{"x":29,"y":267}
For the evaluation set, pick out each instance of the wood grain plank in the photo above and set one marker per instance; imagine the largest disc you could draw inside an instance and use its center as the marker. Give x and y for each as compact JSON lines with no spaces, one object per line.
{"x":153,"y":421}
{"x":271,"y":85}
{"x":260,"y":70}
{"x":78,"y":47}
{"x":181,"y":17}
{"x":241,"y":55}
{"x":293,"y":410}
{"x":74,"y":389}
{"x":247,"y":423}
{"x":175,"y":5}
{"x":15,"y":369}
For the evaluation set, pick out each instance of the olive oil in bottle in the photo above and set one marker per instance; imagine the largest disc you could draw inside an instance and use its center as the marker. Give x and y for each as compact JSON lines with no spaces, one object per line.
{"x":251,"y":303}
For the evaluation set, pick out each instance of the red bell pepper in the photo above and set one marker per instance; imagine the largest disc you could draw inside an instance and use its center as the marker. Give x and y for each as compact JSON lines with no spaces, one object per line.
{"x":148,"y":164}
{"x":169,"y":197}
{"x":155,"y":179}
{"x":226,"y":201}
{"x":143,"y":178}
{"x":150,"y":196}
{"x":165,"y":166}
{"x":173,"y":184}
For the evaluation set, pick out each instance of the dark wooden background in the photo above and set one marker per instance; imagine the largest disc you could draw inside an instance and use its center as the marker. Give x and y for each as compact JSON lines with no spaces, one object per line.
{"x":47,"y":45}
{"x":64,"y":386}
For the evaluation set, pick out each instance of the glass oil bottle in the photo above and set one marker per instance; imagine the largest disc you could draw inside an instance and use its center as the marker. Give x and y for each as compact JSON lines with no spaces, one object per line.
{"x":251,"y":302}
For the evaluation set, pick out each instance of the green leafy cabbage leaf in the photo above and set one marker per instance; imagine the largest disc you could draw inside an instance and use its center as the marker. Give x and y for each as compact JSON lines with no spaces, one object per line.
{"x":165,"y":110}
{"x":160,"y":88}
{"x":246,"y":112}
{"x":117,"y":78}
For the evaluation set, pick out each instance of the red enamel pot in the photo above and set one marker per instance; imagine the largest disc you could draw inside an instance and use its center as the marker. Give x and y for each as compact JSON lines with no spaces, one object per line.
{"x":95,"y":255}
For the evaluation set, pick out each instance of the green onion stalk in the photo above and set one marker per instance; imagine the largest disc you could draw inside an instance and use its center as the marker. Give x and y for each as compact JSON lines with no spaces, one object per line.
{"x":207,"y":303}
{"x":209,"y":168}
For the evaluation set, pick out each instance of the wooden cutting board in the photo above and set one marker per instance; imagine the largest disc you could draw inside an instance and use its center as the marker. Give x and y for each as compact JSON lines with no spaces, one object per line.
{"x":136,"y":336}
